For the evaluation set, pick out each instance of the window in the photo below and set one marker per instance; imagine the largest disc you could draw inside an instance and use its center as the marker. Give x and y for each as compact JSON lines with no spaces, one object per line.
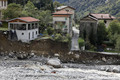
{"x":29,"y":27}
{"x":36,"y":25}
{"x":32,"y":26}
{"x":67,"y":10}
{"x":22,"y":27}
{"x":29,"y":35}
{"x":22,"y":33}
{"x":11,"y":26}
{"x":4,"y":3}
{"x":65,"y":18}
{"x":32,"y":34}
{"x":36,"y":32}
{"x":105,"y":21}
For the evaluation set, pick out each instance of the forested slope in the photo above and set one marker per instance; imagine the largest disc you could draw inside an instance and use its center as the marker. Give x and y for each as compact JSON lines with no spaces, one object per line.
{"x":84,"y":7}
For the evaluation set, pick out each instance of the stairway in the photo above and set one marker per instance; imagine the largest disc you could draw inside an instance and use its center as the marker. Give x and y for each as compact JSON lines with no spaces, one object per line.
{"x":74,"y":44}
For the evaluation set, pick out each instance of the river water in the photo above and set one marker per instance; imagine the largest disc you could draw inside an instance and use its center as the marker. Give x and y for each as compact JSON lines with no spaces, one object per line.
{"x":32,"y":70}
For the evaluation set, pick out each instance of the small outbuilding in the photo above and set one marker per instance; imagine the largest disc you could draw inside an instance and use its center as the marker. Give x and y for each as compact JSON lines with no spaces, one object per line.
{"x":23,"y":29}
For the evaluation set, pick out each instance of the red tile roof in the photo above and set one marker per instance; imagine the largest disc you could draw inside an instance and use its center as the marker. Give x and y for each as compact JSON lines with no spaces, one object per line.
{"x":26,"y":19}
{"x":63,"y":12}
{"x":61,"y":15}
{"x":102,"y":16}
{"x":29,"y":19}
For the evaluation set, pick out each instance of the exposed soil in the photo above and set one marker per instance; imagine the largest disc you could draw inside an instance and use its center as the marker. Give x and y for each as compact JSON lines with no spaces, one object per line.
{"x":39,"y":47}
{"x":49,"y":48}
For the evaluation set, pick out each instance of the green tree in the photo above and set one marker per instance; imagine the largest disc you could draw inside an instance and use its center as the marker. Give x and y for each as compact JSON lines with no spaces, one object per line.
{"x":13,"y":11}
{"x":114,"y":27}
{"x":50,"y":31}
{"x":56,"y":4}
{"x":114,"y":30}
{"x":117,"y":46}
{"x":30,"y":10}
{"x":45,"y":18}
{"x":101,"y":33}
{"x":92,"y":36}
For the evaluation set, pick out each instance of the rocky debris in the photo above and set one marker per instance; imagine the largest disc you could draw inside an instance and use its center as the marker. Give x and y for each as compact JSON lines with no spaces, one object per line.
{"x":110,"y":69}
{"x":77,"y":56}
{"x":103,"y":69}
{"x":22,"y":56}
{"x":70,"y":53}
{"x":104,"y":59}
{"x":55,"y":62}
{"x":17,"y":55}
{"x":116,"y":70}
{"x":56,"y":55}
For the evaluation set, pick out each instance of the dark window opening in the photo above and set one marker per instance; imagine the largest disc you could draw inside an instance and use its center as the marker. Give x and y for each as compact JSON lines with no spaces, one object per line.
{"x":22,"y":33}
{"x":91,"y":24}
{"x":36,"y":32}
{"x":105,"y":21}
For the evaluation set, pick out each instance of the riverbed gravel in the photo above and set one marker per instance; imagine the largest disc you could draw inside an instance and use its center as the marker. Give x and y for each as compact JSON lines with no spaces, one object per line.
{"x":36,"y":70}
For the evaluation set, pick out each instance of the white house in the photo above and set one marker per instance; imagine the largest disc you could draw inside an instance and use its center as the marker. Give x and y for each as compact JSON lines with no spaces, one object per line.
{"x":23,"y":29}
{"x":63,"y":20}
{"x":3,"y":5}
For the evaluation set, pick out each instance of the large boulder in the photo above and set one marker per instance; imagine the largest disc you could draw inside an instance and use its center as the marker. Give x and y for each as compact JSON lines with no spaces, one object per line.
{"x":55,"y":62}
{"x":116,"y":70}
{"x":22,"y":56}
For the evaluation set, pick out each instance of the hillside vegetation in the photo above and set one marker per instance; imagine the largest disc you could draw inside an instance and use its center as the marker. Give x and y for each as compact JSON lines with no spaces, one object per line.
{"x":84,"y":7}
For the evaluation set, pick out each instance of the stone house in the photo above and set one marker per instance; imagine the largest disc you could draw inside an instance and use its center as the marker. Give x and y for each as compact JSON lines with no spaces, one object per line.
{"x":91,"y":21}
{"x":63,"y":18}
{"x":3,"y":5}
{"x":23,"y":29}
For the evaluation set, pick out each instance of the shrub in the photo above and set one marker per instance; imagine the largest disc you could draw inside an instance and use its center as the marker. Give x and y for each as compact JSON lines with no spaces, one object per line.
{"x":62,"y":38}
{"x":81,"y":42}
{"x":117,"y":46}
{"x":58,"y":37}
{"x":101,"y":33}
{"x":50,"y":30}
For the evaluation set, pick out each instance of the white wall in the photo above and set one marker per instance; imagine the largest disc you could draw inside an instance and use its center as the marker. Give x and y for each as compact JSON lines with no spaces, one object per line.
{"x":62,"y":19}
{"x":59,"y":19}
{"x":25,"y":37}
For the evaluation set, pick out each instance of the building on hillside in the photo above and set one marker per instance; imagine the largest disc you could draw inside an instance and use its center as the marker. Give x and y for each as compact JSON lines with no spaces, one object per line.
{"x":62,"y":20}
{"x":67,"y":8}
{"x":23,"y":29}
{"x":3,"y":5}
{"x":91,"y":21}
